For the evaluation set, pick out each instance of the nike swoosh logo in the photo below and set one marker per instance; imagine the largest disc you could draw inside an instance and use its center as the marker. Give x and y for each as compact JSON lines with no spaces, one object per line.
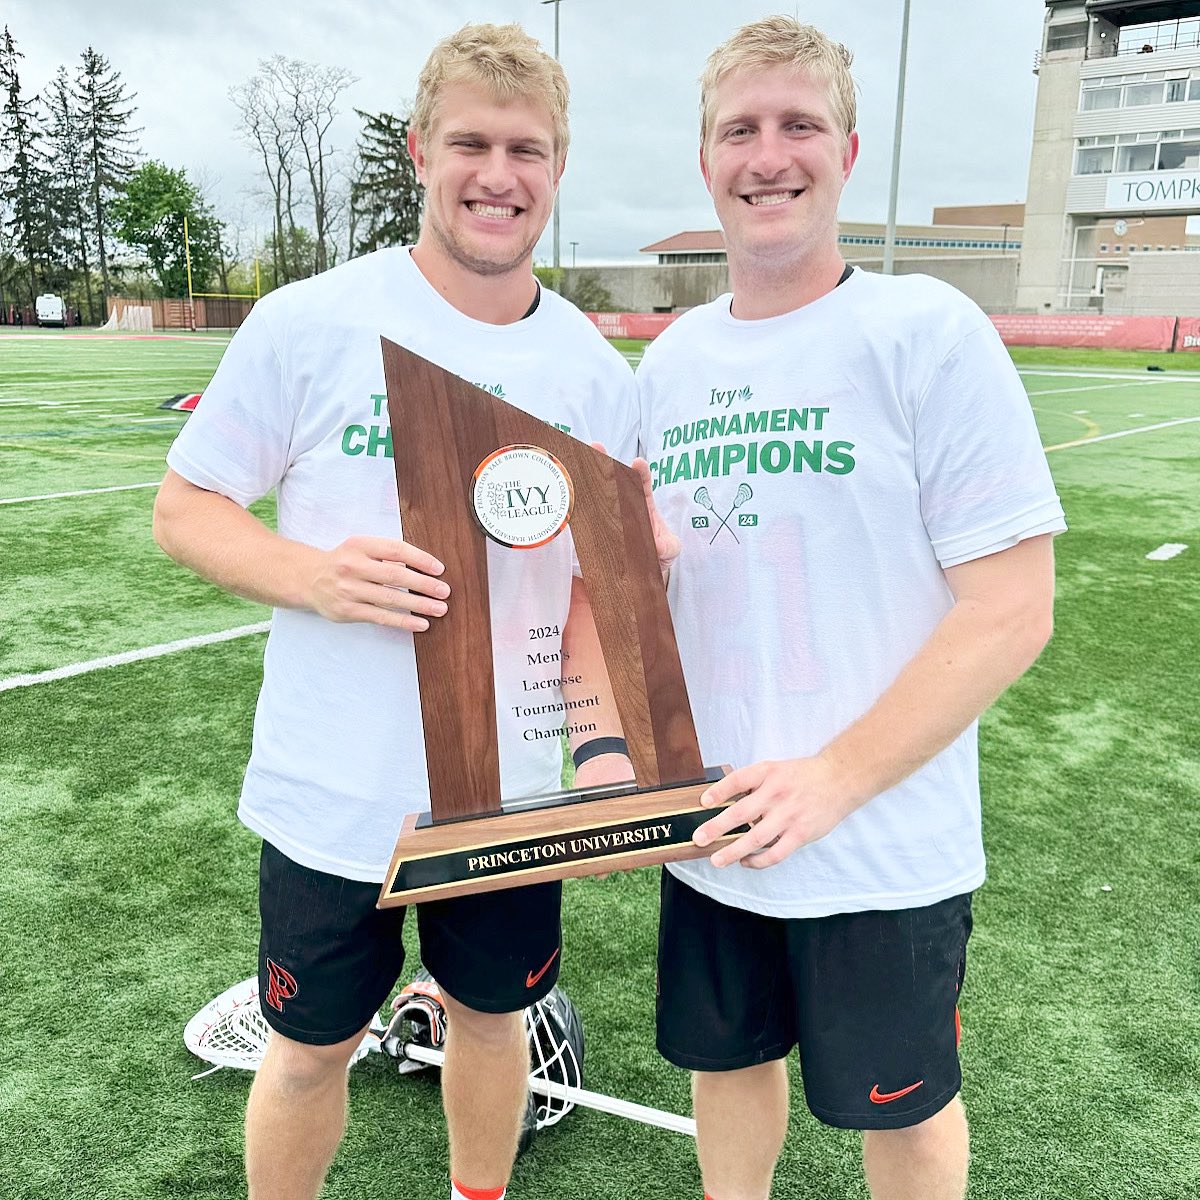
{"x":531,"y":979}
{"x":878,"y":1097}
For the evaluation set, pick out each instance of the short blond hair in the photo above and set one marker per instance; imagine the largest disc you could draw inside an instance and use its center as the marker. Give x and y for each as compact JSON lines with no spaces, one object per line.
{"x":504,"y":61}
{"x":782,"y":41}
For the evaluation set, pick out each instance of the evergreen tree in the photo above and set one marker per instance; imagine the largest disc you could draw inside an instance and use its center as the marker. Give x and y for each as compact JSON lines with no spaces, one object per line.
{"x":110,"y":144}
{"x":385,"y":197}
{"x":71,"y":217}
{"x":23,"y":182}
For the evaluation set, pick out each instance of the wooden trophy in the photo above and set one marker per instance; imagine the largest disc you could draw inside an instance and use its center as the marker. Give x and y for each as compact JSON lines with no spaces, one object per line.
{"x":453,"y":439}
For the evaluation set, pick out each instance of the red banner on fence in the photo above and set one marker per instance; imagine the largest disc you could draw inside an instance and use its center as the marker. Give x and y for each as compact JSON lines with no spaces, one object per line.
{"x":632,"y":325}
{"x":1187,"y":335}
{"x":1070,"y":329}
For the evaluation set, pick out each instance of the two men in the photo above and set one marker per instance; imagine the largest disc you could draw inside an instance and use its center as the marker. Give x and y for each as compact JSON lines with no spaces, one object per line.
{"x":338,"y":756}
{"x":874,"y":511}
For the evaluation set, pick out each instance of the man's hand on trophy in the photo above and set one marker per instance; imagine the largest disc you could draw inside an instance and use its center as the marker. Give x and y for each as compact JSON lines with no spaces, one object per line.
{"x":380,"y":580}
{"x":666,"y":544}
{"x":787,"y":804}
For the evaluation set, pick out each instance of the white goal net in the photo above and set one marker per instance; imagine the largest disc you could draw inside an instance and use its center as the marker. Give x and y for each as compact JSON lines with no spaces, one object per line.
{"x":131,"y":317}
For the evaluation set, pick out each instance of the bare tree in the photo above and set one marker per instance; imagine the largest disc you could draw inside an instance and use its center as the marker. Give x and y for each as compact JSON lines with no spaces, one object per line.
{"x":287,"y":111}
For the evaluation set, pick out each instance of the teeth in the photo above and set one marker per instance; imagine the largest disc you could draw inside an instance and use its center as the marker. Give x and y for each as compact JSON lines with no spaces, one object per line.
{"x":772,"y":198}
{"x":491,"y":210}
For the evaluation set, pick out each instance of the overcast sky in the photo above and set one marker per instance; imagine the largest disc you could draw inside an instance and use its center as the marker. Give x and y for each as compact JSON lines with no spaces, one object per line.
{"x":632,"y":176}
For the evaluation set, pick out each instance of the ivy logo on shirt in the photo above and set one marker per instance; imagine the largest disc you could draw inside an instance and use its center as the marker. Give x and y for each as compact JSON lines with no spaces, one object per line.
{"x":724,"y":397}
{"x":745,"y":520}
{"x":492,"y":389}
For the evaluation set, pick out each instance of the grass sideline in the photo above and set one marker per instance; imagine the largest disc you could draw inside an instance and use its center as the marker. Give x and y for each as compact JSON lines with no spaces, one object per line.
{"x":129,"y":886}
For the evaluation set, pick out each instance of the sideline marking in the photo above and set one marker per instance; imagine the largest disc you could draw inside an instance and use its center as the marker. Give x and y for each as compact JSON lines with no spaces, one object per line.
{"x":124,"y":487}
{"x":1167,"y":550}
{"x":1105,"y":437}
{"x":130,"y":656}
{"x":1094,"y":387}
{"x":1164,"y":377}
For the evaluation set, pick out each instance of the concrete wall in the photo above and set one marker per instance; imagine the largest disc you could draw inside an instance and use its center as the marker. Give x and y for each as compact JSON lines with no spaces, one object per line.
{"x":651,"y":288}
{"x":1157,"y":285}
{"x":1051,"y":162}
{"x":990,"y":281}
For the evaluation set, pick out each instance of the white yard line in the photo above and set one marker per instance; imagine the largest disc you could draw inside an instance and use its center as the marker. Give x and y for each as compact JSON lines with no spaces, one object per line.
{"x":1159,"y":377}
{"x":1095,"y":387}
{"x":1167,"y":550}
{"x":1107,"y":437}
{"x":84,"y":400}
{"x":124,"y":487}
{"x":131,"y":656}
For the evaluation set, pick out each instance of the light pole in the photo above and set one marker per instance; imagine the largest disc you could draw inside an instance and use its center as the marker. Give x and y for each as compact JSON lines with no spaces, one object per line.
{"x":573,"y":245}
{"x":889,"y":241}
{"x":556,"y":3}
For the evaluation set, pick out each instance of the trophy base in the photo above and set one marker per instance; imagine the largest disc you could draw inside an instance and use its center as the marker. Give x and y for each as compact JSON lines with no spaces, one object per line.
{"x":561,"y":836}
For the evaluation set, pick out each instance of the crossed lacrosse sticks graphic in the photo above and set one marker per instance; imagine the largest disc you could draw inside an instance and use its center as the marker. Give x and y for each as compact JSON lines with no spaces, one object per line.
{"x":702,"y":498}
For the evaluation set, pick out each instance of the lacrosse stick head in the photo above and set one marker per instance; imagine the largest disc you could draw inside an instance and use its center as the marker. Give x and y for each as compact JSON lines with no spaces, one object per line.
{"x":556,"y":1051}
{"x":230,"y":1030}
{"x":744,"y":493}
{"x":702,"y":498}
{"x":418,"y":1016}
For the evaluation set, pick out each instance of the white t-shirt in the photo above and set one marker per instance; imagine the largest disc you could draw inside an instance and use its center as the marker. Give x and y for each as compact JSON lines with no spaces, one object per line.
{"x":821,"y":468}
{"x":298,"y":403}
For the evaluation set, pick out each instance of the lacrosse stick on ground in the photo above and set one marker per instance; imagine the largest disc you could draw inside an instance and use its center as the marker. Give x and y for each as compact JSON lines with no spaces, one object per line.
{"x":230,"y":1031}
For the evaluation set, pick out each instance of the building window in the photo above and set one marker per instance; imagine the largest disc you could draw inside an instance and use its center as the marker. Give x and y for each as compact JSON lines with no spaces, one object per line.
{"x":1067,"y":37}
{"x":1103,"y":247}
{"x":1094,"y":160}
{"x":1194,"y":89}
{"x":1137,"y":94}
{"x":1179,"y":156}
{"x":1117,"y":248}
{"x":1136,"y":158}
{"x":1176,"y":90}
{"x":1100,"y":97}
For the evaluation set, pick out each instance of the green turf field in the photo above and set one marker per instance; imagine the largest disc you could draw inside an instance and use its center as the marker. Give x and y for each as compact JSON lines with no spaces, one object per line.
{"x":128,"y":888}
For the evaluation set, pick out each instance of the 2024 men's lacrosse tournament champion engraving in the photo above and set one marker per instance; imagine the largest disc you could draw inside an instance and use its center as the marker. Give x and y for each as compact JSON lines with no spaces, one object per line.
{"x":471,"y":468}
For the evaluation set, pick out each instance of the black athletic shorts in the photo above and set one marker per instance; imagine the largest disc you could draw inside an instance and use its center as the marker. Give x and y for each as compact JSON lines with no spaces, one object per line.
{"x":328,"y":958}
{"x":870,"y":999}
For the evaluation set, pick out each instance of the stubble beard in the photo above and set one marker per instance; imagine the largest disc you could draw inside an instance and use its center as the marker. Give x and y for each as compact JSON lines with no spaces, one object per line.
{"x":462,"y":256}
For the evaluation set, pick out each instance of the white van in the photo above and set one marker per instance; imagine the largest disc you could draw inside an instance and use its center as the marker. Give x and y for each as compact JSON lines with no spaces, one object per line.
{"x":51,"y":310}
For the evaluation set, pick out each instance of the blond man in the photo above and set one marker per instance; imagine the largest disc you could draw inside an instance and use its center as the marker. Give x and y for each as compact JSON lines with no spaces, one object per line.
{"x":338,"y":757}
{"x":866,"y":517}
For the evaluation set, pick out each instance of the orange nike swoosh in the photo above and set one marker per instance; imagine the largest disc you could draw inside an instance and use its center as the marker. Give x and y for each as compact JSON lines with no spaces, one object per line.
{"x":531,"y":979}
{"x":878,"y":1097}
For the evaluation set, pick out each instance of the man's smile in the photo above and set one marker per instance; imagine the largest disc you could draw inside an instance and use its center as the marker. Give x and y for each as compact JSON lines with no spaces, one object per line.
{"x":480,"y":209}
{"x":766,"y":199}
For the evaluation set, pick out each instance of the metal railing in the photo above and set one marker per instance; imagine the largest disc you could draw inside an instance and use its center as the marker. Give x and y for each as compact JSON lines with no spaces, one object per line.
{"x":1183,"y":34}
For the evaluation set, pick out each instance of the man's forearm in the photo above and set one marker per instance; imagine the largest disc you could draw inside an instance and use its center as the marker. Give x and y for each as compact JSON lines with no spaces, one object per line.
{"x":583,"y":660}
{"x":223,"y":543}
{"x":984,"y":643}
